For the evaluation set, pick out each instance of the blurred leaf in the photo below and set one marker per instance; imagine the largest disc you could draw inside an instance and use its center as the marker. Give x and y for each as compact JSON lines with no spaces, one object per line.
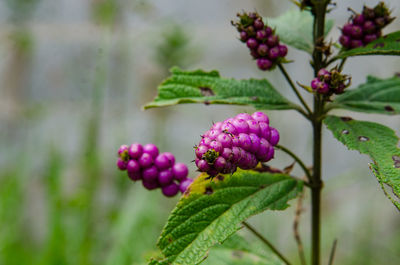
{"x":375,"y":96}
{"x":295,"y":28}
{"x":375,"y":140}
{"x":209,"y":88}
{"x":212,"y":210}
{"x":386,"y":45}
{"x":105,"y":11}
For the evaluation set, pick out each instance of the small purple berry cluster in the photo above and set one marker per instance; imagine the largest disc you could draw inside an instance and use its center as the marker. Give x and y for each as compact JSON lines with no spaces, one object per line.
{"x":365,"y":27}
{"x":242,"y":141}
{"x":154,"y":169}
{"x":261,"y":40}
{"x":330,"y":82}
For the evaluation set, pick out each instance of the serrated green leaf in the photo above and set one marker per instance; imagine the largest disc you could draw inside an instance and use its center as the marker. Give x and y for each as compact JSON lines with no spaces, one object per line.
{"x":375,"y":140}
{"x":386,"y":45}
{"x":295,"y":28}
{"x":211,"y":211}
{"x":209,"y":88}
{"x":375,"y":96}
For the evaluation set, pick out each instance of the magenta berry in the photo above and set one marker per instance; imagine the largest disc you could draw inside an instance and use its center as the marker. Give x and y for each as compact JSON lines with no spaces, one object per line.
{"x":170,"y":190}
{"x":135,"y":150}
{"x":151,"y":149}
{"x":258,"y":24}
{"x":272,"y":40}
{"x":240,"y":125}
{"x":262,"y":50}
{"x":150,"y":174}
{"x":244,"y":116}
{"x":121,"y":164}
{"x":180,"y":171}
{"x":146,"y":160}
{"x":274,"y":136}
{"x":185,"y":184}
{"x":252,"y":43}
{"x":260,"y":116}
{"x":165,"y":177}
{"x":133,"y":166}
{"x":122,"y":149}
{"x":163,"y":161}
{"x":135,"y":176}
{"x":261,"y":35}
{"x":264,"y":64}
{"x":203,"y":165}
{"x":330,"y":82}
{"x":283,"y":50}
{"x":150,"y":185}
{"x":243,"y":36}
{"x":273,"y":53}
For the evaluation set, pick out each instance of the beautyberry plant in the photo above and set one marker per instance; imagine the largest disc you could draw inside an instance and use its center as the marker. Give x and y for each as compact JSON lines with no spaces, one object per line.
{"x":235,"y":182}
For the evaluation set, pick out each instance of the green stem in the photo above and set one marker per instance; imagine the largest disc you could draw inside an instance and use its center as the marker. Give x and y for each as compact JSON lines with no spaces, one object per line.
{"x":316,"y":182}
{"x":331,"y":257}
{"x":289,"y":80}
{"x":342,"y":64}
{"x":265,"y":241}
{"x":298,"y":160}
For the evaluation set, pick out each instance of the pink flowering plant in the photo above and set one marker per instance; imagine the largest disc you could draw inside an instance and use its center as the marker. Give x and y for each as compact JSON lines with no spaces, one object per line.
{"x":236,"y":182}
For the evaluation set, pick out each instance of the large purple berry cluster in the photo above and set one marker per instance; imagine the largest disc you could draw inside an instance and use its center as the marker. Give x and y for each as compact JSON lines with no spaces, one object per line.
{"x":154,"y":169}
{"x":365,"y":27}
{"x":242,"y":141}
{"x":330,"y":82}
{"x":261,"y":40}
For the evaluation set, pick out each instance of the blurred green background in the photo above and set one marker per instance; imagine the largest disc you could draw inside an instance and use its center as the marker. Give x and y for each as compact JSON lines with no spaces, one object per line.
{"x":74,"y":75}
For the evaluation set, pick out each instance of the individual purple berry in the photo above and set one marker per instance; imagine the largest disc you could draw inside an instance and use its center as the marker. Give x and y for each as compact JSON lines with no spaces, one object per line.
{"x":347,"y":29}
{"x":228,"y":127}
{"x":356,"y":32}
{"x":369,"y":27}
{"x":271,"y":153}
{"x":121,"y":164}
{"x":216,"y":146}
{"x":323,"y":88}
{"x":163,"y":161}
{"x":225,"y":140}
{"x":359,"y":19}
{"x":180,"y":171}
{"x":217,"y":126}
{"x":135,"y":150}
{"x":171,"y":190}
{"x":185,"y":184}
{"x":262,"y":50}
{"x":150,"y":185}
{"x":273,"y":53}
{"x":265,"y":131}
{"x":254,"y":127}
{"x":165,"y":177}
{"x":252,"y":43}
{"x":200,"y":151}
{"x":220,"y":163}
{"x":263,"y":150}
{"x":315,"y":83}
{"x":151,"y":149}
{"x":205,"y":141}
{"x":243,"y":36}
{"x":268,"y":30}
{"x":240,"y":125}
{"x":369,"y":38}
{"x":134,"y":175}
{"x":245,"y":141}
{"x":213,"y":134}
{"x":260,"y":116}
{"x":324,"y":74}
{"x":254,"y":54}
{"x":345,"y":41}
{"x":227,"y":153}
{"x":146,"y":160}
{"x":258,"y":23}
{"x":264,"y":64}
{"x":150,"y":174}
{"x":356,"y":43}
{"x":133,"y":166}
{"x":272,"y":40}
{"x":122,"y":149}
{"x":261,"y":34}
{"x":203,"y":165}
{"x":255,"y":143}
{"x":283,"y":50}
{"x":274,"y":137}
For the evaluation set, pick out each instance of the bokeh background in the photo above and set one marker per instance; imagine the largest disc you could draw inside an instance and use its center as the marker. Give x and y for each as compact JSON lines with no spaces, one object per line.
{"x":74,"y":76}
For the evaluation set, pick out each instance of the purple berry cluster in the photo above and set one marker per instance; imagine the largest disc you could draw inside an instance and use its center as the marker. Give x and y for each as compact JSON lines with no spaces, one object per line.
{"x":261,"y":40}
{"x":330,"y":82}
{"x":242,"y":141}
{"x":154,"y":169}
{"x":365,"y":27}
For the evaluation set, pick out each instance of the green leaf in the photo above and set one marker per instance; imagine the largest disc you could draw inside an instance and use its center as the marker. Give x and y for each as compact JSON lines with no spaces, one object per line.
{"x":237,"y":251}
{"x":386,"y":45}
{"x":295,"y":28}
{"x":375,"y":140}
{"x":209,"y":88}
{"x":211,"y":211}
{"x":375,"y":96}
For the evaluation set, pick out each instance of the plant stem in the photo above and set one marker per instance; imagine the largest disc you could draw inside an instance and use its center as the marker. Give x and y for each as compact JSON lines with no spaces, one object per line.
{"x":331,"y":257}
{"x":298,"y":160}
{"x":289,"y":80}
{"x":265,"y":241}
{"x":342,"y":64}
{"x":296,"y":229}
{"x":316,"y":182}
